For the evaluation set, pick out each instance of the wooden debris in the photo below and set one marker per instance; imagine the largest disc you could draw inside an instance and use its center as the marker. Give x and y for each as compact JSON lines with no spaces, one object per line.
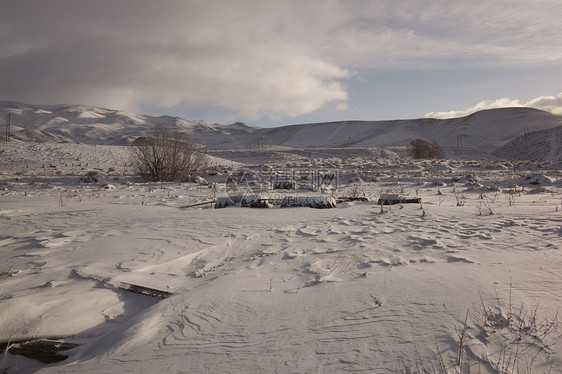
{"x":198,"y":204}
{"x":399,"y":201}
{"x":152,"y":292}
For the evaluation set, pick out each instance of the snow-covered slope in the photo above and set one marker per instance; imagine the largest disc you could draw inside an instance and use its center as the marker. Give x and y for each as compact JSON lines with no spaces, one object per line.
{"x":92,"y":125}
{"x":485,"y":130}
{"x":538,"y":145}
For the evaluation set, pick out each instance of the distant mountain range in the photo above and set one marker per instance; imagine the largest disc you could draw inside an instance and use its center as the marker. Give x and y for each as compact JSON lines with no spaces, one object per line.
{"x":507,"y":132}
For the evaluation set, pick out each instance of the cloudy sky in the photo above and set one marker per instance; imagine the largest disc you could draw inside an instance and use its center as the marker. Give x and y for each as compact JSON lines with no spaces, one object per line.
{"x":281,"y":62}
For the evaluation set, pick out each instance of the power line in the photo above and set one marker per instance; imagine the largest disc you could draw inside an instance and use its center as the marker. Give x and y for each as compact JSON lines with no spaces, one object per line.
{"x":379,"y":88}
{"x":373,"y":93}
{"x":178,"y":83}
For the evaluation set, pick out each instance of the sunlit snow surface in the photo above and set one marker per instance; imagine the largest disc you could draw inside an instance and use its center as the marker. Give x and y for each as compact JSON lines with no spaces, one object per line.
{"x":278,"y":289}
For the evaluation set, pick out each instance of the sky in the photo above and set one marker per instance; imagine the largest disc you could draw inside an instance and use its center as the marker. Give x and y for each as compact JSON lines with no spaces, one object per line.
{"x":272,"y":63}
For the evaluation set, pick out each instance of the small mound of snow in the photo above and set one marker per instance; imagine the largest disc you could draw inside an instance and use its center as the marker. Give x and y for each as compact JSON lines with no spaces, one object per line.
{"x":201,"y":181}
{"x":90,"y":114}
{"x":392,"y":261}
{"x":535,"y":180}
{"x":56,"y":120}
{"x":356,"y":180}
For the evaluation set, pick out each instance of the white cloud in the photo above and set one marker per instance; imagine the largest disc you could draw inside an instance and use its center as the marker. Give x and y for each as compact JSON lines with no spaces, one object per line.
{"x":278,"y":81}
{"x":552,"y":104}
{"x":486,"y":104}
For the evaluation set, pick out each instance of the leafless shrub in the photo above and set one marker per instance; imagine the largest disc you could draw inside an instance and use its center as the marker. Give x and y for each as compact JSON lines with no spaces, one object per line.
{"x":420,"y":148}
{"x":522,"y":339}
{"x":92,"y":176}
{"x":355,"y":192}
{"x":165,"y":156}
{"x":382,"y":150}
{"x":486,"y":201}
{"x":511,"y":199}
{"x":460,"y":199}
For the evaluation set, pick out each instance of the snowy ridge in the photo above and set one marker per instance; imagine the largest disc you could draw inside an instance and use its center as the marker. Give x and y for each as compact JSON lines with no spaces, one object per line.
{"x":484,"y":131}
{"x":93,"y":125}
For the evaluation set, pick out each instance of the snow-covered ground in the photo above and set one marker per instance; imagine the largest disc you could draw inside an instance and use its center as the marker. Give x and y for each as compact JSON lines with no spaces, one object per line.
{"x":361,"y":287}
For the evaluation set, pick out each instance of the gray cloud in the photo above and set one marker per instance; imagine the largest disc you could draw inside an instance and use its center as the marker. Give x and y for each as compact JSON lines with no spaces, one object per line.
{"x":122,"y":54}
{"x":439,"y":33}
{"x":255,"y":58}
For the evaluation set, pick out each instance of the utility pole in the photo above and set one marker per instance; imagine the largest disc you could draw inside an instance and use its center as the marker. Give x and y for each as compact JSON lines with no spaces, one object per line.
{"x":8,"y":127}
{"x":258,"y":142}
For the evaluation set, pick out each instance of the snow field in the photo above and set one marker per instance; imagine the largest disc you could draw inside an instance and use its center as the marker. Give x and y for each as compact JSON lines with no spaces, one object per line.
{"x":284,"y":289}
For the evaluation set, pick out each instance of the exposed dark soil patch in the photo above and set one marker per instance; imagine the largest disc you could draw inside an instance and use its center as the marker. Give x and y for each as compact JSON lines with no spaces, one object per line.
{"x":46,"y":351}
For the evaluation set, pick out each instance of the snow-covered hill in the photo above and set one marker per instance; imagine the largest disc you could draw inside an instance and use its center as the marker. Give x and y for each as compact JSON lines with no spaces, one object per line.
{"x":538,"y":145}
{"x":484,"y":131}
{"x":92,"y":125}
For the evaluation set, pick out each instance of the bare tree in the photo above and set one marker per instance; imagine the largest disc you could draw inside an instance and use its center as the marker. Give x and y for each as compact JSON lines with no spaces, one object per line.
{"x":420,"y":148}
{"x":166,"y":156}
